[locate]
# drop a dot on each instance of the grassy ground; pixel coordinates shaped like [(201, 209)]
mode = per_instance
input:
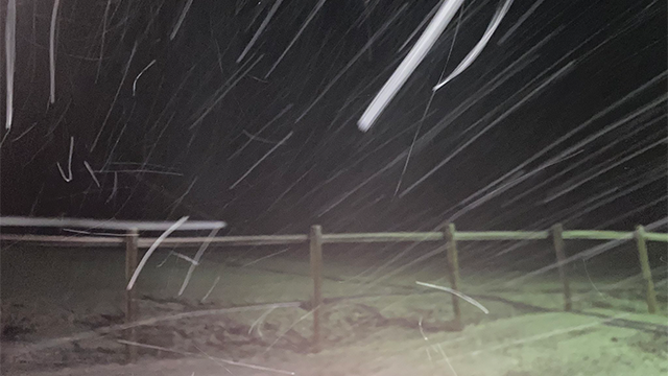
[(375, 322)]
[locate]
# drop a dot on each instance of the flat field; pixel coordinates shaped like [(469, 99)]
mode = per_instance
[(61, 308)]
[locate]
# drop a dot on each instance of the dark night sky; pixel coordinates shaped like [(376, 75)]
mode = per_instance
[(155, 160)]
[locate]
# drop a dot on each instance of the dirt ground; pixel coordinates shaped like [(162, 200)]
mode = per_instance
[(60, 308)]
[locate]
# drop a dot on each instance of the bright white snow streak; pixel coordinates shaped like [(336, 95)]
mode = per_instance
[(52, 52), (475, 52), (408, 65), (419, 51), (10, 56)]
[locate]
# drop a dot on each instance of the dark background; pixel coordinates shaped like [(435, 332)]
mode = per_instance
[(156, 162)]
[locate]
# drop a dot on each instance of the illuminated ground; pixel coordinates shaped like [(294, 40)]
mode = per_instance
[(379, 333)]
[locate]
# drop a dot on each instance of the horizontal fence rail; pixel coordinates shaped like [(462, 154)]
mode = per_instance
[(65, 241), (383, 237), (656, 237), (500, 235), (257, 240), (229, 240), (597, 235)]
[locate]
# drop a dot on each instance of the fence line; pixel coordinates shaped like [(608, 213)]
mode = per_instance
[(317, 239), (389, 237)]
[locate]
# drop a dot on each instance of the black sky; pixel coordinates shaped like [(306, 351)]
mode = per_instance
[(328, 172)]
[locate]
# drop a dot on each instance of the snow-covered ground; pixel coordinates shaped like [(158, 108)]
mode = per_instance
[(371, 326)]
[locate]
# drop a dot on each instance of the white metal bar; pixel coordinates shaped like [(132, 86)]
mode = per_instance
[(107, 224)]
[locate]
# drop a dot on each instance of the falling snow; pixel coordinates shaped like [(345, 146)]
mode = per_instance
[(360, 116)]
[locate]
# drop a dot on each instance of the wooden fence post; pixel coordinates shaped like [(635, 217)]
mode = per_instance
[(131, 257), (646, 270), (453, 275), (558, 242), (315, 237)]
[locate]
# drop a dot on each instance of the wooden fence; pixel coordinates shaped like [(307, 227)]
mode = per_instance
[(316, 239)]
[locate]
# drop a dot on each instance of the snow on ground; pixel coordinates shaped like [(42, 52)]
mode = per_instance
[(389, 328)]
